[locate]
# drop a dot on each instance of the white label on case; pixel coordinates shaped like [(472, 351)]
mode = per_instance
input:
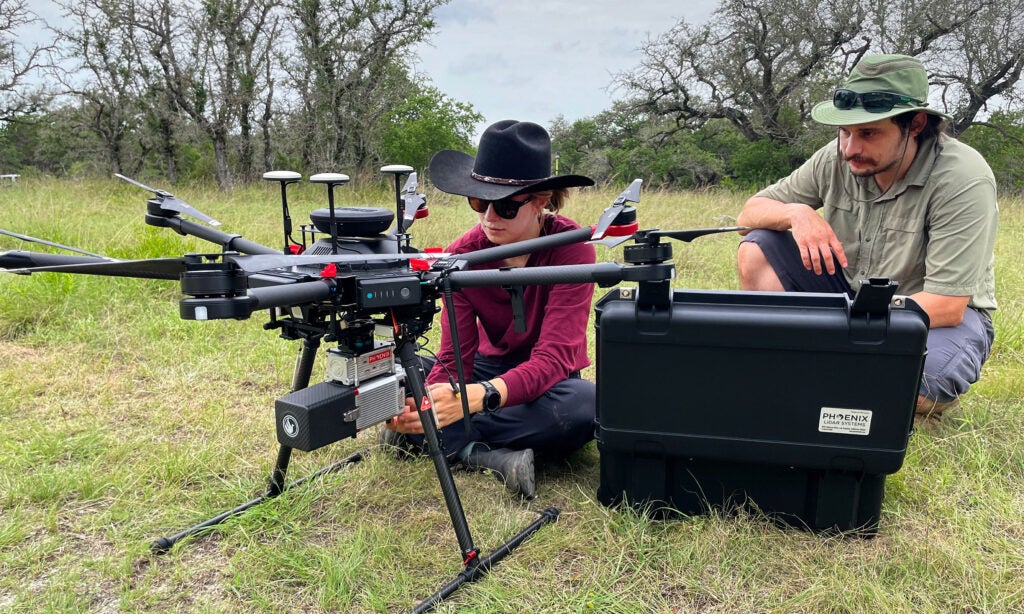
[(846, 421)]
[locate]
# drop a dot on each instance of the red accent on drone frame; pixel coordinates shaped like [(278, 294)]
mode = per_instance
[(623, 230), (423, 264)]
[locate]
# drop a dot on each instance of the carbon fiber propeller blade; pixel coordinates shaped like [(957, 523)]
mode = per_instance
[(690, 235), (630, 194), (29, 239), (153, 268), (170, 202)]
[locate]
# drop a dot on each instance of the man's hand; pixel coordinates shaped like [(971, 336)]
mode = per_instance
[(814, 237), (816, 240)]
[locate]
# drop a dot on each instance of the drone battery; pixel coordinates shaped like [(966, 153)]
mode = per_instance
[(797, 405), (313, 417), (393, 291)]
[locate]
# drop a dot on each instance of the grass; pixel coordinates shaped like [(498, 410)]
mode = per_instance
[(121, 423)]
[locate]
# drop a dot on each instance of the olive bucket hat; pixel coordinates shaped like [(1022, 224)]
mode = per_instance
[(880, 86), (513, 158)]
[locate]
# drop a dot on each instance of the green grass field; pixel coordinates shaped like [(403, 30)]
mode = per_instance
[(121, 423)]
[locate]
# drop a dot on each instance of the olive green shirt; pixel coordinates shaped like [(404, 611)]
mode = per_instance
[(934, 231)]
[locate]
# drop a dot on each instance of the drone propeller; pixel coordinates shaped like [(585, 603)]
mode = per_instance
[(170, 202), (414, 202), (152, 268), (690, 235), (630, 194), (49, 243), (613, 242)]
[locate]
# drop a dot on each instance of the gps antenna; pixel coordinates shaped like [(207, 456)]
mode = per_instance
[(331, 179), (398, 170), (284, 178)]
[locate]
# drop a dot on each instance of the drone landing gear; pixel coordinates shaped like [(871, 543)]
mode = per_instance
[(276, 483), (474, 565)]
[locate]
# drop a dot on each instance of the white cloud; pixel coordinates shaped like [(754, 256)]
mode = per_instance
[(537, 59)]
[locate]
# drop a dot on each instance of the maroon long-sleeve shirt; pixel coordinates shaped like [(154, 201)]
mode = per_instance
[(555, 341)]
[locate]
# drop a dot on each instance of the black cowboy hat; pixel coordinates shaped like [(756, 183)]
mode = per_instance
[(513, 158)]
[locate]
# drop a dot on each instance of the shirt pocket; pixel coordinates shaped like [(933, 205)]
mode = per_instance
[(844, 218), (902, 249)]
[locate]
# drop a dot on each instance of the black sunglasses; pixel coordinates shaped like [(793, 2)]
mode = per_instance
[(506, 208), (873, 102)]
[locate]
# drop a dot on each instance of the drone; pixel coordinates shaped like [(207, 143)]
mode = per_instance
[(353, 280)]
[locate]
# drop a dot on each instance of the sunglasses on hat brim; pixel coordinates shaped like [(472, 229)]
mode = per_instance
[(506, 208), (872, 102)]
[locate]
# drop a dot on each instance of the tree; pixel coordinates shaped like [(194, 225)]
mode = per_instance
[(755, 63), (19, 63), (105, 73), (351, 73), (973, 48), (761, 64), (424, 122), (210, 58)]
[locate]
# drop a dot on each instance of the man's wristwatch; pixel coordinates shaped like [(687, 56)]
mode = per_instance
[(492, 398)]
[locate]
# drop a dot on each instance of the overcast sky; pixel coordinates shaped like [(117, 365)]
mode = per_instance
[(537, 59)]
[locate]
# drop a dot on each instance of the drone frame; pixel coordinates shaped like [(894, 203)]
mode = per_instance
[(244, 278)]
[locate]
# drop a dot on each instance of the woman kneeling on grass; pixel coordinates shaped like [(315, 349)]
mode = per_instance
[(527, 395)]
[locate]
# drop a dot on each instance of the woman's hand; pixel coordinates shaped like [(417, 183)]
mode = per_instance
[(447, 410)]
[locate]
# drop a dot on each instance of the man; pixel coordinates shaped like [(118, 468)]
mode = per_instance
[(899, 199)]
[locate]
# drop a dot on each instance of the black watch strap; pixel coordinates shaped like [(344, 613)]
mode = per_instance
[(492, 398)]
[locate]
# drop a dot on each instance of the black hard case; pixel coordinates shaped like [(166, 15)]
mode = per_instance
[(718, 400)]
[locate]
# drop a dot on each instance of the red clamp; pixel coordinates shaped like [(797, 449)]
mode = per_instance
[(330, 271), (295, 249)]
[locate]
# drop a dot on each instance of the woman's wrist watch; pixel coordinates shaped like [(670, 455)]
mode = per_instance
[(492, 398)]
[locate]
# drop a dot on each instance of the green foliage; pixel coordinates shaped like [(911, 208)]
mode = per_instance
[(620, 145), (1001, 141), (755, 164), (424, 122)]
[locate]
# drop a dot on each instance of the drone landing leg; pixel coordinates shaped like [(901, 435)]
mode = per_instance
[(276, 484), (475, 566)]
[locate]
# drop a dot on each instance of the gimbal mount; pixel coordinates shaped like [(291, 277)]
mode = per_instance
[(353, 300)]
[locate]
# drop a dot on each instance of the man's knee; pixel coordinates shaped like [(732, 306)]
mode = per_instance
[(756, 273)]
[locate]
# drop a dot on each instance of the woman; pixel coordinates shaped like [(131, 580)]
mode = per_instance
[(525, 394)]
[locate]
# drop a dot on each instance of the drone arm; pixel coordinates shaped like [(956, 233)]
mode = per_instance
[(519, 248), (603, 273), (255, 299), (227, 241), (270, 297)]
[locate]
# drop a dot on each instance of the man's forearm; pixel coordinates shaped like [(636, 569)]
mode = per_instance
[(763, 212), (942, 310)]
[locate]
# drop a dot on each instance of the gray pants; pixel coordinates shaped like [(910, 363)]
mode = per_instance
[(955, 353)]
